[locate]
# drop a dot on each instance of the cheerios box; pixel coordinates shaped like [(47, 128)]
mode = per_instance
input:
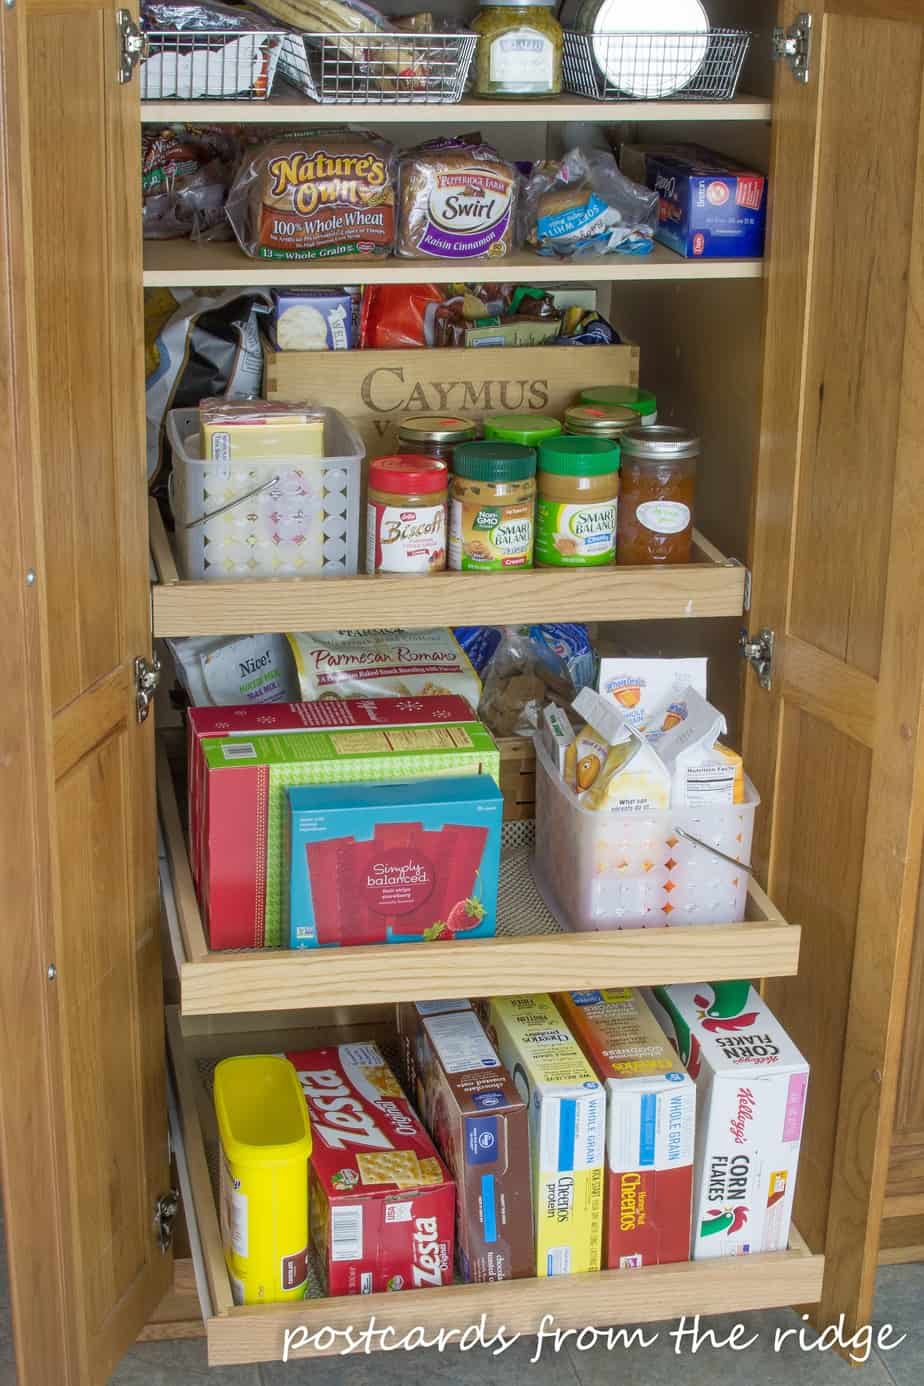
[(381, 1202), (651, 1115), (567, 1114), (751, 1084), (243, 877)]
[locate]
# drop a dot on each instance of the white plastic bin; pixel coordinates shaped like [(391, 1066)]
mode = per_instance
[(284, 518), (635, 871)]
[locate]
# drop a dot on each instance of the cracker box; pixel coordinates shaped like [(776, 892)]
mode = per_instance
[(409, 1016), (567, 1115), (480, 1124), (710, 206), (651, 1112), (393, 863), (313, 320), (247, 720), (243, 877), (381, 1201), (751, 1083)]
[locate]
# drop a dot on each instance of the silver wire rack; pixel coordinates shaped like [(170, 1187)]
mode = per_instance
[(230, 64), (379, 68), (650, 67)]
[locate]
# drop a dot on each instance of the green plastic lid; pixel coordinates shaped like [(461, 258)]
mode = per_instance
[(628, 396), (574, 456), (529, 429), (488, 460)]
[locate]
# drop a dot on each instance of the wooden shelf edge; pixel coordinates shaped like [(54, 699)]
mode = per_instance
[(288, 106)]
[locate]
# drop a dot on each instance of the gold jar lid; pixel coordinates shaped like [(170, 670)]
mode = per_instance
[(599, 420), (438, 428)]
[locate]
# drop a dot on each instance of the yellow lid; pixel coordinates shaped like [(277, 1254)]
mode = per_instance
[(262, 1114)]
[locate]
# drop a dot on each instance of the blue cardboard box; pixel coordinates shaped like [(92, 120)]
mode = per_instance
[(393, 863), (710, 207)]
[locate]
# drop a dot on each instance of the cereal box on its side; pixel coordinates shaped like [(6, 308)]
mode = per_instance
[(567, 1117), (381, 1201), (751, 1084), (651, 1110), (243, 875)]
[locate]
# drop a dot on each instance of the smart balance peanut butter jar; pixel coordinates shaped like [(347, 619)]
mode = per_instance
[(492, 507), (576, 508)]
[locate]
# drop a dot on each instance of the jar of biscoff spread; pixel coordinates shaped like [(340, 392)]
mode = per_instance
[(435, 435), (599, 420), (655, 523), (492, 507), (576, 509), (642, 402), (406, 505)]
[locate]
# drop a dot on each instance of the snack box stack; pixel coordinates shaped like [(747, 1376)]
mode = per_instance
[(751, 1083), (408, 1017), (651, 1113), (480, 1124), (381, 1201), (393, 863), (239, 783), (567, 1119)]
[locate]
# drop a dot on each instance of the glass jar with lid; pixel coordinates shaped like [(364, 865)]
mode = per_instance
[(655, 519), (519, 49), (599, 420), (492, 507), (435, 435), (642, 402)]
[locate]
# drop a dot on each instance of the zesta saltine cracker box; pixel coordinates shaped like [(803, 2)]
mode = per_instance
[(381, 1202), (751, 1082), (567, 1115)]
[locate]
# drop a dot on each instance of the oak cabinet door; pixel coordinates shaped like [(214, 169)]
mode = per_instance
[(836, 745), (82, 1085)]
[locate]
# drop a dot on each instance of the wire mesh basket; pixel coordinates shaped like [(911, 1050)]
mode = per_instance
[(648, 67), (230, 64), (379, 68)]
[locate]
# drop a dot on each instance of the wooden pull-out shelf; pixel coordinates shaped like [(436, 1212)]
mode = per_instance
[(713, 585), (542, 958), (256, 1334)]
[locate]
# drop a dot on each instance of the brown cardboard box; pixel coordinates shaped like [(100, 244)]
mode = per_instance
[(409, 1016), (480, 1125)]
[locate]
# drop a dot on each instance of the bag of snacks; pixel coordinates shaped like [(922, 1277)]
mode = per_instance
[(522, 675), (583, 205), (236, 669), (382, 663)]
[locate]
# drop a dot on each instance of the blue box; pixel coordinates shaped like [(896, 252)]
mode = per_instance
[(710, 207), (393, 863)]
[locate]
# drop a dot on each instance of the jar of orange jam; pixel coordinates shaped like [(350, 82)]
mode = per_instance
[(658, 479)]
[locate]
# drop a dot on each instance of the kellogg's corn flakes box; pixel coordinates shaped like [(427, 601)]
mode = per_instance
[(382, 1204), (751, 1083), (567, 1114)]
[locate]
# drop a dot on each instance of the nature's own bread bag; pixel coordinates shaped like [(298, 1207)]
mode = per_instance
[(458, 201), (316, 195)]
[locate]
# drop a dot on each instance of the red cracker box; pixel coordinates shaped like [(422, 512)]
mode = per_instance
[(259, 719), (381, 1202), (651, 1112)]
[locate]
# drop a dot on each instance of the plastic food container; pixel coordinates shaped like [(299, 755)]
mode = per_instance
[(287, 517), (406, 514), (265, 1144), (492, 507), (576, 508), (636, 871)]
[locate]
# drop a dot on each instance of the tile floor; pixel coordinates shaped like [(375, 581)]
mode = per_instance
[(899, 1302)]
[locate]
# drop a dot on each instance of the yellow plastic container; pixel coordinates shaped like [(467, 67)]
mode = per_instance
[(265, 1144)]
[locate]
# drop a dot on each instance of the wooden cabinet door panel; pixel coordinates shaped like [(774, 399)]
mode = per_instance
[(86, 996), (836, 745)]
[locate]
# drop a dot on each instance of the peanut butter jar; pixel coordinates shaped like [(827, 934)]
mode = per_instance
[(576, 509), (492, 507)]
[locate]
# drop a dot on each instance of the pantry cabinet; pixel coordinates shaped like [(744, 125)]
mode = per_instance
[(808, 384)]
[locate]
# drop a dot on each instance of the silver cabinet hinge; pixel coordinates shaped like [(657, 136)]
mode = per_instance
[(147, 677), (133, 46), (166, 1208), (795, 46), (759, 654)]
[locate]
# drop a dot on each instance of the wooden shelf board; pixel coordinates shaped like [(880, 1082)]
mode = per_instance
[(236, 1334), (290, 107), (264, 981), (712, 586), (186, 264)]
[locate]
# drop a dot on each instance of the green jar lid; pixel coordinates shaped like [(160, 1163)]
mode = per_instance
[(574, 456), (488, 460), (529, 429), (628, 396)]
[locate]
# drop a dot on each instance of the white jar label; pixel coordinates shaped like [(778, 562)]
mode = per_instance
[(523, 58), (405, 539), (663, 516)]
